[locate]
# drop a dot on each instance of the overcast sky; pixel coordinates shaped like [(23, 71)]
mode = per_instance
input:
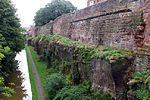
[(26, 9)]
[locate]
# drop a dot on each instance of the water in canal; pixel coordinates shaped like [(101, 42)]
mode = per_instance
[(21, 79)]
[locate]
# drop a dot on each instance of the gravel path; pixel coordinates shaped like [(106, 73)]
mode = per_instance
[(36, 77)]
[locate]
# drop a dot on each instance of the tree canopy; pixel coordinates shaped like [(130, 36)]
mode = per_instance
[(52, 10), (11, 42)]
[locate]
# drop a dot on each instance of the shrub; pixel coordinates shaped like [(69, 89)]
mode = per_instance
[(142, 93), (54, 83), (100, 95), (74, 93), (140, 85), (81, 92)]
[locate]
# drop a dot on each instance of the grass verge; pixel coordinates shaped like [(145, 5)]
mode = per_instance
[(33, 85), (41, 68)]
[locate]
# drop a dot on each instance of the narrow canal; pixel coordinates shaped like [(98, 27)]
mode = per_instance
[(21, 79)]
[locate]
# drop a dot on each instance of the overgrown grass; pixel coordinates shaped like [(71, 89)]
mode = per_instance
[(41, 68), (33, 84)]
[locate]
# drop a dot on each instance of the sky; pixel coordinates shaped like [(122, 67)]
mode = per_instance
[(26, 9)]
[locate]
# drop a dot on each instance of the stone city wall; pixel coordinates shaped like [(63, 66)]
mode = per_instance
[(117, 23), (110, 23)]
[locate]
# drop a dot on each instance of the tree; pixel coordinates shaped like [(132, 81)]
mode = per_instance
[(10, 34), (10, 26), (11, 42), (52, 10)]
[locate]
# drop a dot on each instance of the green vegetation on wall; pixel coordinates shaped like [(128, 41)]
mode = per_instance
[(87, 52), (63, 57)]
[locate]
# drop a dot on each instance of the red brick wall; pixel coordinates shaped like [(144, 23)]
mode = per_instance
[(110, 23), (146, 15)]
